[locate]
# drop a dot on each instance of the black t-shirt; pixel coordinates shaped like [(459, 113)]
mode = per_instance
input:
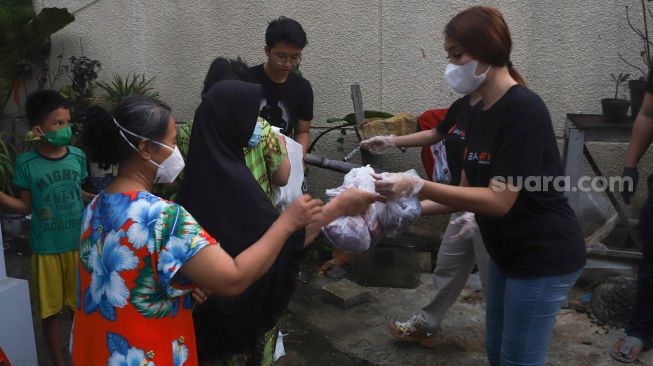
[(283, 104), (514, 139), (453, 128)]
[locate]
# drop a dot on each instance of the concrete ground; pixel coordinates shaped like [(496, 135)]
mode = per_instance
[(319, 333), (359, 336)]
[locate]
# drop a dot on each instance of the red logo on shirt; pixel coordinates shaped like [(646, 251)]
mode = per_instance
[(481, 157)]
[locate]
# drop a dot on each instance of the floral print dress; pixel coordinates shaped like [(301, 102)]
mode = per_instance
[(132, 309)]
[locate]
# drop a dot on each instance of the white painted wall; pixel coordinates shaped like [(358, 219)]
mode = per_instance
[(565, 50)]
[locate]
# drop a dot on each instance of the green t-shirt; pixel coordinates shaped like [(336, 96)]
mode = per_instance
[(56, 193)]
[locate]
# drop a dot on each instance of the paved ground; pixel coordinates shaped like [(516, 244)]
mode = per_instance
[(361, 334), (322, 334)]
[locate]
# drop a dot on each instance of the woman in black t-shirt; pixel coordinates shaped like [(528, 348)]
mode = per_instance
[(512, 167)]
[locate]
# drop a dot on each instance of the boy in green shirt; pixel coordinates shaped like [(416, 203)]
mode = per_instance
[(49, 179)]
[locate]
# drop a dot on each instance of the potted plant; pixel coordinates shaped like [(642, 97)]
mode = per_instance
[(615, 109), (637, 86), (23, 33)]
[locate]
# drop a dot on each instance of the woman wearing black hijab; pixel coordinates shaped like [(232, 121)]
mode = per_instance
[(221, 193)]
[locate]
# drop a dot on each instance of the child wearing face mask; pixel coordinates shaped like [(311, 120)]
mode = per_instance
[(49, 181)]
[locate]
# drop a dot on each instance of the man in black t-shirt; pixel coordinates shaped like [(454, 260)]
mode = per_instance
[(639, 332), (287, 97)]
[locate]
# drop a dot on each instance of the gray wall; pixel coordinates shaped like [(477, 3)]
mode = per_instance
[(565, 50)]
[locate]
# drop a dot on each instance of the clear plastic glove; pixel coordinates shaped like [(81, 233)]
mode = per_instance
[(379, 144), (397, 185), (467, 224)]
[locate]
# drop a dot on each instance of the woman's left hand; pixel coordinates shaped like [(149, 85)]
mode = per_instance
[(200, 295)]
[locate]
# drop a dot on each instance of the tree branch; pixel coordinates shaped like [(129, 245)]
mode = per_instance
[(631, 65)]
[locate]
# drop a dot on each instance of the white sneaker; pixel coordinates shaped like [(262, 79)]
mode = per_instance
[(409, 331)]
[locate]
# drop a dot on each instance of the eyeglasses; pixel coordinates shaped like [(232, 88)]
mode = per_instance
[(282, 59)]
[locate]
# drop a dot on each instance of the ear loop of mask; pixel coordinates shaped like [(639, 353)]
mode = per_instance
[(139, 136)]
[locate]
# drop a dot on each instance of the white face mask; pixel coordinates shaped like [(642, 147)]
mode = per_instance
[(463, 78), (170, 168)]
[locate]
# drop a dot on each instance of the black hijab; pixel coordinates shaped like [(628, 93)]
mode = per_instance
[(223, 196)]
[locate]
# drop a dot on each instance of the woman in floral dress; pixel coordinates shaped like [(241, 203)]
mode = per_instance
[(141, 256)]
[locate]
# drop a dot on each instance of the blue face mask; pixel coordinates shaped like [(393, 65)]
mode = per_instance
[(256, 135)]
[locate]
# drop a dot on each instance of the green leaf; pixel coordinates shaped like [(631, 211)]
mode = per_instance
[(23, 33), (147, 296), (175, 222), (119, 89), (85, 253)]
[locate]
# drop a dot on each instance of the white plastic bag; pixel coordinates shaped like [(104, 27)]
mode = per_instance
[(599, 217), (284, 196), (362, 232), (466, 223), (352, 233), (349, 233), (399, 214)]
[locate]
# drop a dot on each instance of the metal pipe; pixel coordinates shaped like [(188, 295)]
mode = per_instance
[(330, 164)]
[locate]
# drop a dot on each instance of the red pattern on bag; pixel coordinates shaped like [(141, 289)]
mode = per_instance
[(427, 121)]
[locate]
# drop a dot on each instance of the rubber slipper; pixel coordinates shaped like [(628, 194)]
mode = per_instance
[(624, 351)]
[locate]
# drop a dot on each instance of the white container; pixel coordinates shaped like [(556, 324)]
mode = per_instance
[(12, 224)]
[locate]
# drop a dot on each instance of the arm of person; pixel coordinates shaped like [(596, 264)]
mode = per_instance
[(495, 200), (21, 205), (302, 134), (642, 133), (351, 202), (422, 138), (379, 144), (280, 176), (214, 270), (87, 196), (430, 208)]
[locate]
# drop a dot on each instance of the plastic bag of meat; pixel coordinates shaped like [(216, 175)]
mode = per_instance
[(355, 233), (399, 214), (349, 233), (359, 233)]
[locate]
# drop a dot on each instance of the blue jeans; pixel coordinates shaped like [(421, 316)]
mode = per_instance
[(641, 322), (520, 315)]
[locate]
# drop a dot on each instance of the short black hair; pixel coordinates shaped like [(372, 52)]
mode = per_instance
[(225, 69), (41, 103), (285, 30)]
